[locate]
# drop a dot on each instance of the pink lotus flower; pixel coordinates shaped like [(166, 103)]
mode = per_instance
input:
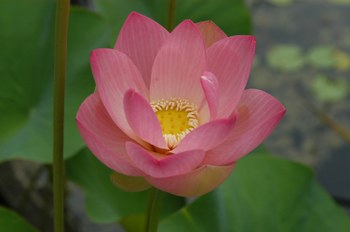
[(170, 109)]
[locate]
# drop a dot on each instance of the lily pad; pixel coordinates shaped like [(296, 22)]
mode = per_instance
[(264, 193), (328, 89), (286, 57), (321, 57)]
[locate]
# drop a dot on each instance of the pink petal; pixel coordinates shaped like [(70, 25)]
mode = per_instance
[(207, 136), (195, 183), (142, 119), (172, 165), (210, 87), (230, 60), (114, 74), (210, 32), (103, 137), (129, 183), (179, 65), (140, 39), (258, 115)]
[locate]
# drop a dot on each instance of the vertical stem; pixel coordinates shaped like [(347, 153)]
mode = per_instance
[(171, 14), (153, 210), (61, 32)]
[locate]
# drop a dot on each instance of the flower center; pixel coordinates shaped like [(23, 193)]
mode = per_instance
[(177, 118)]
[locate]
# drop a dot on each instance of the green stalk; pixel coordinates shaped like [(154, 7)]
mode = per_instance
[(154, 204), (171, 14), (61, 32)]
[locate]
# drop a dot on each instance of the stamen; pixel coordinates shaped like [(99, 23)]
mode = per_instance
[(177, 118)]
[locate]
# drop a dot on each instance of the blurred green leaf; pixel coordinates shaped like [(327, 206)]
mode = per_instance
[(264, 193), (232, 16), (26, 67), (321, 57), (12, 222), (286, 57), (328, 89), (104, 201)]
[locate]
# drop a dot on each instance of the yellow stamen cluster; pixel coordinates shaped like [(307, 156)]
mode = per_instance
[(177, 118)]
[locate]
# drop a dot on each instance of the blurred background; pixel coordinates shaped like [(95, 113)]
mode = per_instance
[(302, 58)]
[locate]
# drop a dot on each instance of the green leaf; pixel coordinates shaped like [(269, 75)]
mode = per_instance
[(104, 201), (12, 222), (26, 67), (286, 57), (232, 16), (264, 193)]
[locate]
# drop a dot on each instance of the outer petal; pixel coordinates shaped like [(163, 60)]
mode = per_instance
[(172, 165), (230, 60), (142, 119), (103, 137), (258, 115), (210, 32), (179, 65), (207, 136), (114, 74), (195, 183), (210, 87), (140, 38)]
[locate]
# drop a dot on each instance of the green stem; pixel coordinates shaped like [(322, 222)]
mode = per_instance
[(153, 210), (61, 34), (171, 14)]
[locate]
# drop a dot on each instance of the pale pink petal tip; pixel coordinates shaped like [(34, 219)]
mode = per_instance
[(210, 87), (171, 165), (142, 119), (141, 51)]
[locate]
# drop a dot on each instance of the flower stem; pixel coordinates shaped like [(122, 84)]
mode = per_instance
[(171, 14), (61, 32), (154, 203)]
